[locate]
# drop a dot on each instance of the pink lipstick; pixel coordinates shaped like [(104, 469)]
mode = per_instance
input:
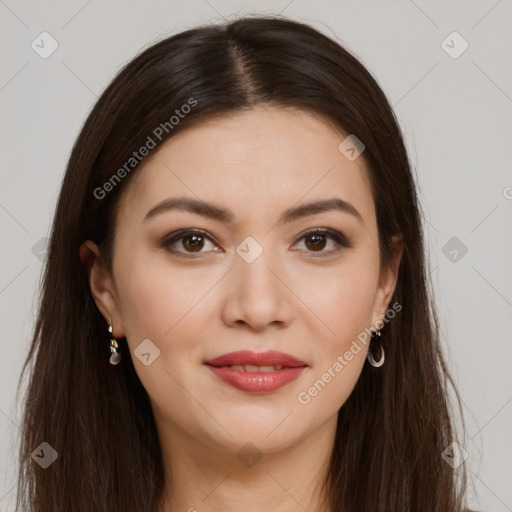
[(256, 372)]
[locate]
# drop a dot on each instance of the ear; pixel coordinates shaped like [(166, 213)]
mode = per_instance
[(387, 281), (102, 287)]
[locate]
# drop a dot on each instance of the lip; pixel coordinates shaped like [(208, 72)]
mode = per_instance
[(268, 358), (256, 382)]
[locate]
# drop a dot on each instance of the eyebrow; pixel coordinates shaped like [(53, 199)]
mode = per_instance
[(220, 214)]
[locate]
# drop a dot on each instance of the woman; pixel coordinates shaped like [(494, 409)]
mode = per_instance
[(235, 309)]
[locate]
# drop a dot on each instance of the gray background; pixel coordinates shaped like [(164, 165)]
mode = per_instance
[(455, 114)]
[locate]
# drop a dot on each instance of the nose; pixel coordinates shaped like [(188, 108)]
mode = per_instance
[(258, 294)]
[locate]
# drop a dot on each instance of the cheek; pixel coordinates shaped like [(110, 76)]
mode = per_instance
[(343, 301), (166, 306), (344, 304), (157, 301)]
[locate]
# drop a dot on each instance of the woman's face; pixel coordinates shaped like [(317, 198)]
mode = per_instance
[(247, 279)]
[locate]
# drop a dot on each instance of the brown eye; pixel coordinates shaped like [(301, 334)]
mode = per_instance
[(187, 242), (316, 241), (190, 242), (193, 243)]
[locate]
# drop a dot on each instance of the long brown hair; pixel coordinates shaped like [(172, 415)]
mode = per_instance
[(396, 423)]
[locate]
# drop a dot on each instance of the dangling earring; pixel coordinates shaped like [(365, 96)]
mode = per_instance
[(370, 357), (115, 356)]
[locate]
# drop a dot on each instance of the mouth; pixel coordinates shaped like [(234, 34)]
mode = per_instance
[(252, 368), (256, 372)]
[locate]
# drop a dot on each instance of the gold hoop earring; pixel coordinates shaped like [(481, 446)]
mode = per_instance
[(115, 356), (375, 363)]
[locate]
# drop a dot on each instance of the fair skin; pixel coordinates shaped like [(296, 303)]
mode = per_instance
[(255, 164)]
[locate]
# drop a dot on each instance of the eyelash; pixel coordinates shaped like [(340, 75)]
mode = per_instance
[(340, 240)]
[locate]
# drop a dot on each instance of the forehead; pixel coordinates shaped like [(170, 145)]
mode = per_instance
[(254, 162)]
